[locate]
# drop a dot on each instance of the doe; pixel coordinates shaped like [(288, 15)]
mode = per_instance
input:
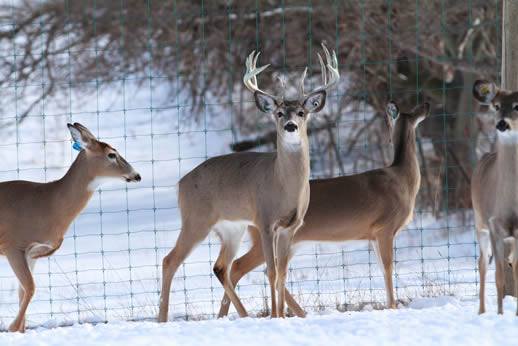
[(494, 191), (35, 216)]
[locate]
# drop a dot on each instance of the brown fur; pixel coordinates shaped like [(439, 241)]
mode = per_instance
[(269, 191), (374, 205), (494, 192), (35, 216)]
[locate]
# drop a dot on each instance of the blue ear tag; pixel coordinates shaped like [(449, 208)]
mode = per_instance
[(77, 146)]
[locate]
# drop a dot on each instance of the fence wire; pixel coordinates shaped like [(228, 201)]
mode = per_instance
[(109, 265)]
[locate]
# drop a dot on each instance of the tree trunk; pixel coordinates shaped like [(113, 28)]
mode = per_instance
[(509, 82)]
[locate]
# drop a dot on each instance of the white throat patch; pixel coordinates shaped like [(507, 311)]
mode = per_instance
[(509, 137), (291, 140), (94, 184)]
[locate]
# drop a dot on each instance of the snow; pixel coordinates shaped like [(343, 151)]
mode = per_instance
[(432, 321)]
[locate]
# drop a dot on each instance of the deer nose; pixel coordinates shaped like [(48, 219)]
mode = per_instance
[(502, 126), (137, 177), (290, 127)]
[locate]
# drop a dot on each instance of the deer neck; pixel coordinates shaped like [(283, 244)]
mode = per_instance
[(72, 189), (405, 154), (292, 162), (507, 166)]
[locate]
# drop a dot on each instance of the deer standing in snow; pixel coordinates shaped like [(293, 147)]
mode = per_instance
[(494, 191), (267, 190), (374, 205), (35, 216)]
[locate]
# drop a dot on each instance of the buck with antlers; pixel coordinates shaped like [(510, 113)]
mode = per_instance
[(35, 216), (494, 190), (267, 190), (374, 205)]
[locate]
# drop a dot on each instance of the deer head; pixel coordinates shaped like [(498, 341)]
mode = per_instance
[(504, 103), (395, 119), (291, 116), (103, 160)]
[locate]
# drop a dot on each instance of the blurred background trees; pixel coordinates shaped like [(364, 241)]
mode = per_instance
[(408, 51)]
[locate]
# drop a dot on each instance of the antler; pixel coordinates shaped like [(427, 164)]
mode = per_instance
[(330, 66), (250, 77)]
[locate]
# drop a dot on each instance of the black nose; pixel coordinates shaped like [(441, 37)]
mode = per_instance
[(138, 178), (502, 126), (290, 127)]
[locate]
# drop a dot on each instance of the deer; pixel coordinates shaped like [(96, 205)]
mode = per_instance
[(34, 217), (269, 191), (496, 174), (374, 206)]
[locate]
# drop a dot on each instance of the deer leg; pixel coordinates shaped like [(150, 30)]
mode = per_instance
[(282, 245), (31, 262), (497, 242), (385, 252), (190, 236), (484, 242), (243, 265), (291, 302), (515, 267), (268, 254), (22, 271), (229, 247)]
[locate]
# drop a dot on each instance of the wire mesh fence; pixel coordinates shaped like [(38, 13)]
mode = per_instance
[(109, 265)]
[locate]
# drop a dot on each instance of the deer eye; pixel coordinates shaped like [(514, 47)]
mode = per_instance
[(300, 113), (280, 114), (112, 155)]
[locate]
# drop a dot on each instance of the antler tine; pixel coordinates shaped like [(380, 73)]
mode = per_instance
[(301, 83), (250, 77), (330, 66), (323, 70)]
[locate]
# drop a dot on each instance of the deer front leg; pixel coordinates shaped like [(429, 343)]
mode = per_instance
[(282, 245), (268, 253), (385, 251), (515, 267), (21, 268), (484, 242), (497, 229)]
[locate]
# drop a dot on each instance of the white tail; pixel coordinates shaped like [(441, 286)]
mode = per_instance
[(496, 174), (374, 205), (267, 190), (35, 216)]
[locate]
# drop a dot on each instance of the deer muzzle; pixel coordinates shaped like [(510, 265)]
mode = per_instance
[(503, 126)]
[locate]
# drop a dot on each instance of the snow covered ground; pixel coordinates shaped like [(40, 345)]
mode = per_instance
[(432, 321)]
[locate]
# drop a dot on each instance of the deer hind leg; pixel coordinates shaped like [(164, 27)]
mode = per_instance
[(193, 232), (243, 265), (484, 242), (22, 270), (385, 250), (498, 247), (230, 236)]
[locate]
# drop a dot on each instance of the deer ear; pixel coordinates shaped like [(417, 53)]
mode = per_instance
[(392, 110), (315, 101), (264, 102), (81, 135), (422, 110), (484, 91)]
